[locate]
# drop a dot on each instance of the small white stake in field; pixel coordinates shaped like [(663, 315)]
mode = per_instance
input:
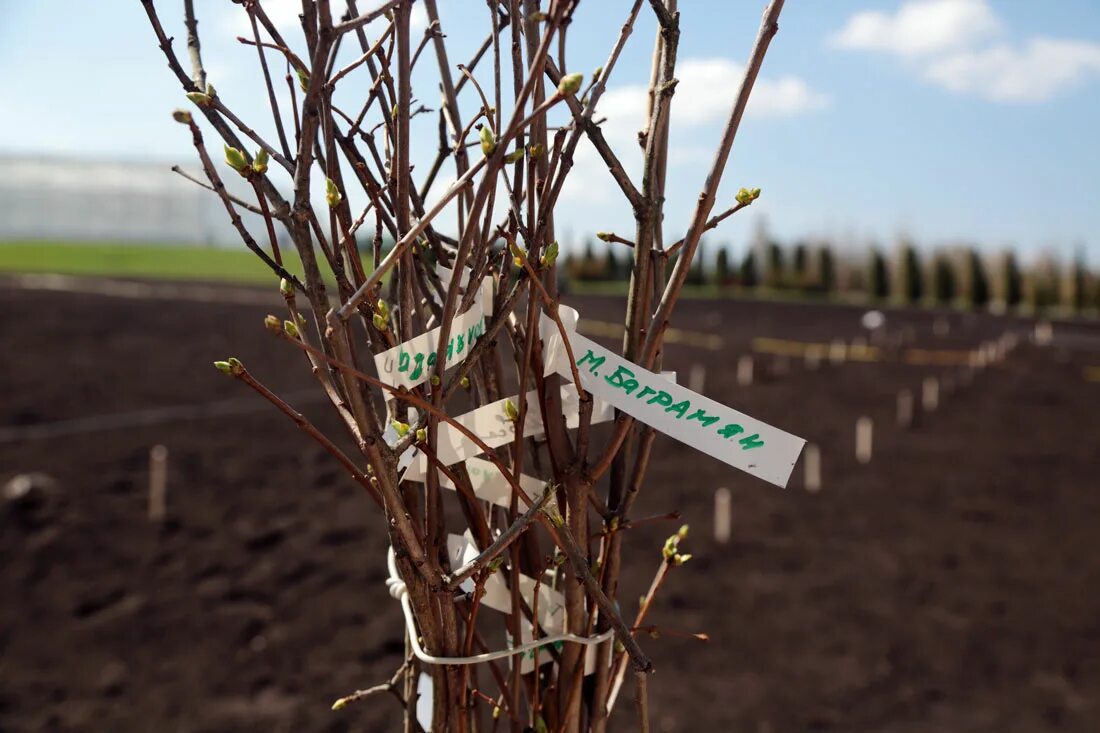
[(905, 408), (744, 371), (930, 394), (811, 465), (722, 518), (158, 483), (864, 439), (697, 378)]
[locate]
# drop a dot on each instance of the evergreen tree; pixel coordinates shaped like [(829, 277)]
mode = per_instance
[(749, 277), (943, 280), (773, 273), (826, 270), (910, 279), (977, 286), (799, 263), (611, 269), (722, 267), (1011, 281), (878, 280)]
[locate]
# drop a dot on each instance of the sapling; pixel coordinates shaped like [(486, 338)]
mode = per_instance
[(452, 292)]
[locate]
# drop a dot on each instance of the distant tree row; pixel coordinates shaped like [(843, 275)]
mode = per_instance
[(960, 276)]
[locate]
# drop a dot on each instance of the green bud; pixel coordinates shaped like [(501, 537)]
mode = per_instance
[(210, 91), (510, 410), (465, 382), (291, 329), (340, 704), (259, 163), (603, 236), (286, 288), (537, 17), (422, 435), (303, 79), (495, 563), (534, 150), (681, 559), (401, 428), (597, 73), (570, 83), (488, 140), (232, 365), (235, 159), (182, 116), (272, 324), (434, 380), (550, 255), (380, 322), (332, 193), (383, 308), (746, 196), (514, 156), (683, 532), (200, 99)]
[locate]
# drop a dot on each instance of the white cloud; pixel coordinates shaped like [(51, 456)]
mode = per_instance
[(950, 43), (705, 93), (1032, 73), (920, 27)]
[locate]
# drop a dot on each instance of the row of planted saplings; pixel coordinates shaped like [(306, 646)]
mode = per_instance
[(933, 389)]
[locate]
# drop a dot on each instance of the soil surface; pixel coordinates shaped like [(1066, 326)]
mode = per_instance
[(951, 584)]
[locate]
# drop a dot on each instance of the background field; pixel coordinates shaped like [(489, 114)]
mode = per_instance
[(948, 585)]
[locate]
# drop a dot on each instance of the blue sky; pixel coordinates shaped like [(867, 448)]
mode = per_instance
[(945, 120)]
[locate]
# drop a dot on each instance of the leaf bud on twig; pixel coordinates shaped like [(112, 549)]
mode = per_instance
[(272, 324), (259, 163), (332, 193), (235, 159), (488, 140), (550, 256), (182, 116), (570, 84), (746, 196)]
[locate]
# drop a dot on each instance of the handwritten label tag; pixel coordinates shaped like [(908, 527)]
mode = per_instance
[(730, 436), (491, 424), (412, 362), (490, 485)]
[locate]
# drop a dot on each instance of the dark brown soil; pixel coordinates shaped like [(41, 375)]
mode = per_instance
[(952, 585)]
